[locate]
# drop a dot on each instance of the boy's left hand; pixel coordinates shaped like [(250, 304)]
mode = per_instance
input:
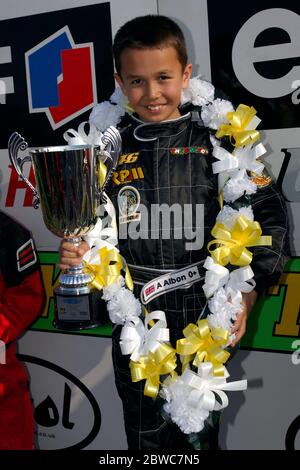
[(239, 326)]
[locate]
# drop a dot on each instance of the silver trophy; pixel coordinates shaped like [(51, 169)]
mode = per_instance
[(68, 189)]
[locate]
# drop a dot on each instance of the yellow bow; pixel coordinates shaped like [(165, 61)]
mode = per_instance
[(109, 269), (238, 129), (102, 170), (232, 242), (128, 108), (111, 262), (202, 344), (152, 366)]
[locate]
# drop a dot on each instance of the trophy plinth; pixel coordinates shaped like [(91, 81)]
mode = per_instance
[(78, 305), (68, 189), (78, 308)]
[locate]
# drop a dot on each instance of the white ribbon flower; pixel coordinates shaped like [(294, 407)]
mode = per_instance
[(224, 307), (109, 113), (233, 167), (206, 387), (199, 92), (244, 158), (122, 305), (132, 338), (216, 276), (226, 304), (215, 113), (193, 396), (80, 137), (228, 215), (119, 98), (227, 161), (105, 232), (106, 114), (248, 158), (139, 339), (241, 279), (237, 185)]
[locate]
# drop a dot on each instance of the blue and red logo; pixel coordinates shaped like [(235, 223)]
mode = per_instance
[(61, 78)]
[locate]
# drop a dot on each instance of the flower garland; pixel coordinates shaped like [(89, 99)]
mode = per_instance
[(190, 398)]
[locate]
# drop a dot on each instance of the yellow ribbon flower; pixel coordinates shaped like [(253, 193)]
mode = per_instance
[(109, 269), (241, 128), (202, 344), (102, 170), (232, 243), (111, 262), (152, 366)]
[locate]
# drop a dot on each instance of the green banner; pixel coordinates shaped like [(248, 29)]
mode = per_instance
[(273, 324)]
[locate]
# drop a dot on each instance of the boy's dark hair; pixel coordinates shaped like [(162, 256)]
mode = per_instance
[(150, 31)]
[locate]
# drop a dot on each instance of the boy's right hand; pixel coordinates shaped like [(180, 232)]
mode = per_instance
[(70, 254)]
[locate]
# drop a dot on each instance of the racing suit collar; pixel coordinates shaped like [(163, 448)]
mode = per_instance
[(150, 131)]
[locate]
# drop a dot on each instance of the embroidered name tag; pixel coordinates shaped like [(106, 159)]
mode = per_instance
[(168, 282), (187, 150)]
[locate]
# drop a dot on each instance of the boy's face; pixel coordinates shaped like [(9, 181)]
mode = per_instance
[(152, 79)]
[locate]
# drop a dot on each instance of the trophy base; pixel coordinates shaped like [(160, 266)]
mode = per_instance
[(79, 311)]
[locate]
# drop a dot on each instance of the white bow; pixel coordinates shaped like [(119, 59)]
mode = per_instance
[(216, 276), (105, 232), (247, 158), (80, 137), (205, 387), (138, 339), (241, 158), (241, 279)]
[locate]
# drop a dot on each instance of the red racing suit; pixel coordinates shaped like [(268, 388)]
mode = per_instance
[(21, 299)]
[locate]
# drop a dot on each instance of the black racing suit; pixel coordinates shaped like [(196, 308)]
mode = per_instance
[(156, 165)]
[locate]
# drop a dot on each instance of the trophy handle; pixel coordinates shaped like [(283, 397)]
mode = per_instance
[(112, 139), (17, 142)]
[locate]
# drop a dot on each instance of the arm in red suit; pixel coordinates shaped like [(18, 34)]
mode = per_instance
[(19, 306), (21, 288), (21, 299)]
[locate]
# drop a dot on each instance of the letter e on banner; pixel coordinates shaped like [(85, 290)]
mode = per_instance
[(245, 55)]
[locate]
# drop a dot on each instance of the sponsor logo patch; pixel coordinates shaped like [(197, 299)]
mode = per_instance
[(261, 180), (126, 176), (26, 255), (128, 203), (188, 150), (128, 158)]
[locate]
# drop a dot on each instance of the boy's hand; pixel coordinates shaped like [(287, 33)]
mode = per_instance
[(239, 326), (70, 254)]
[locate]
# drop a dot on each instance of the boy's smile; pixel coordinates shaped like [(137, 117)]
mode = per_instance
[(152, 79)]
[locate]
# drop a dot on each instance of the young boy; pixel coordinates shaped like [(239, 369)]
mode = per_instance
[(166, 162), (21, 300)]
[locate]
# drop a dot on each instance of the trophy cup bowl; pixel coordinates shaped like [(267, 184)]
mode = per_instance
[(68, 189)]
